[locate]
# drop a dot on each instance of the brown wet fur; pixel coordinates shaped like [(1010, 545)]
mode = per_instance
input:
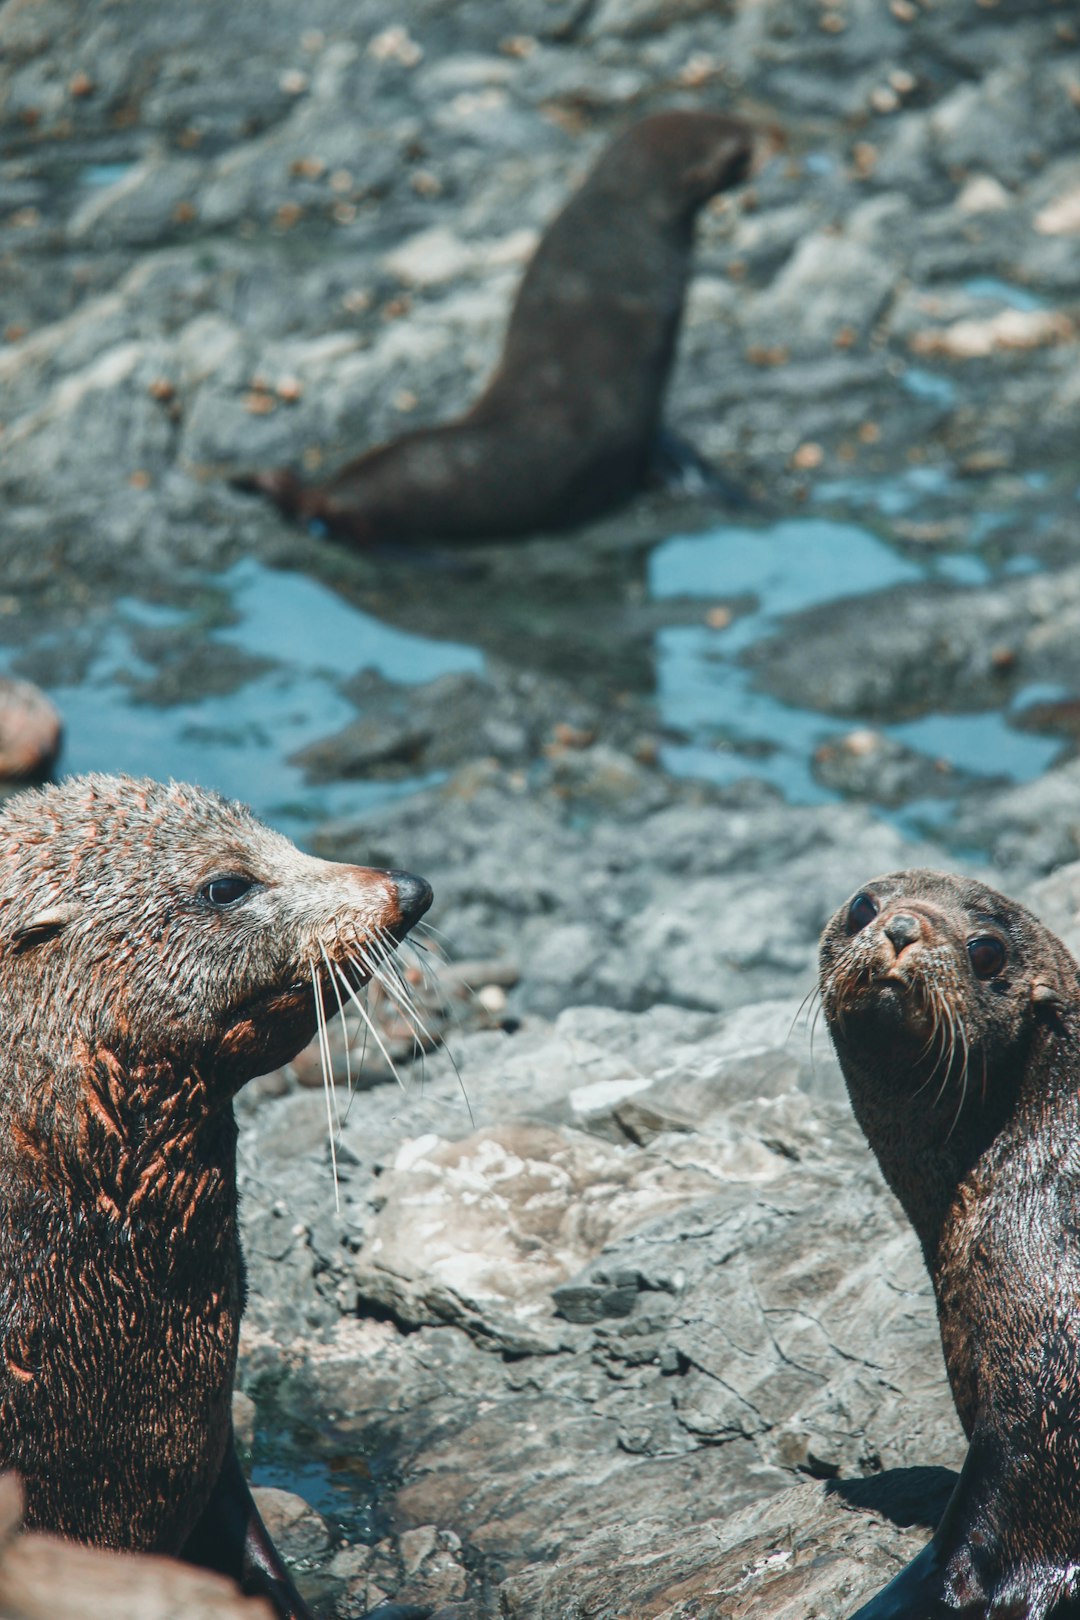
[(968, 1090), (132, 1010), (566, 426)]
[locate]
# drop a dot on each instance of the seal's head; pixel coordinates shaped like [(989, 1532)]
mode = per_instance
[(938, 968), (939, 993), (164, 926), (672, 162)]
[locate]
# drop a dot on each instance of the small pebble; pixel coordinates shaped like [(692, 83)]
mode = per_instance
[(883, 99), (492, 997), (81, 84), (808, 455), (308, 168), (395, 44), (864, 156), (293, 82)]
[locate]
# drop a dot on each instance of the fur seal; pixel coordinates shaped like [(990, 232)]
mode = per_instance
[(956, 1018), (159, 947), (567, 425)]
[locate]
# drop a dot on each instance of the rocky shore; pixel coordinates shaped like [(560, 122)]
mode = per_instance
[(616, 1316)]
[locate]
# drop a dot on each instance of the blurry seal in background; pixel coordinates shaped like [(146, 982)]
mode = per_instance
[(30, 732), (159, 947), (956, 1018), (568, 425)]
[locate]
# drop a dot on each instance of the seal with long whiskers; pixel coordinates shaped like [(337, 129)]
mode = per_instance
[(928, 980), (159, 947)]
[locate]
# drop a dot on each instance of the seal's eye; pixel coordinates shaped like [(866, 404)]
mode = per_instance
[(987, 956), (863, 909), (222, 891)]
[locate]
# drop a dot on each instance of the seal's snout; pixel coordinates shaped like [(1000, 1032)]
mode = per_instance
[(413, 896), (902, 929)]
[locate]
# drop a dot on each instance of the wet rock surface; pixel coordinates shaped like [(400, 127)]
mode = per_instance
[(621, 1318)]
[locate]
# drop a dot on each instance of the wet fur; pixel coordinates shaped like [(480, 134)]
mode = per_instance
[(976, 1126), (567, 425), (132, 1011)]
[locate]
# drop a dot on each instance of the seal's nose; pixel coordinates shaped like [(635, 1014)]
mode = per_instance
[(413, 898), (902, 929)]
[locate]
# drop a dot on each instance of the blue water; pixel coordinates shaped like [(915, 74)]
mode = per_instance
[(928, 385), (311, 641), (1002, 292), (239, 742), (892, 497), (99, 175), (733, 728)]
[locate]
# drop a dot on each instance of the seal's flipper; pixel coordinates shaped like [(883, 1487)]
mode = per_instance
[(280, 484), (914, 1594), (679, 467), (231, 1538), (981, 1564)]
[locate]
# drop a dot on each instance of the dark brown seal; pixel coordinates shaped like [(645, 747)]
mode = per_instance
[(158, 948), (956, 1017), (566, 427)]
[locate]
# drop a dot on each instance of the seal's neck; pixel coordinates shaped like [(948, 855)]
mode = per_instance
[(932, 1145), (138, 1144)]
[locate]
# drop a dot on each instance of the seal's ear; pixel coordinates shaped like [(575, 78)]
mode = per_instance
[(45, 925)]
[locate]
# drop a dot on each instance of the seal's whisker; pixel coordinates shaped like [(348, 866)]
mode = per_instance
[(800, 1009), (937, 1037), (963, 1081), (952, 1054), (324, 1055), (366, 1016), (397, 993), (390, 946), (344, 1027)]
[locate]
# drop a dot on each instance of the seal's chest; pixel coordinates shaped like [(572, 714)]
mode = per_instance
[(122, 1359)]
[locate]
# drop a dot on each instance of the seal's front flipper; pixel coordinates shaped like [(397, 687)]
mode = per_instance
[(914, 1594), (1001, 1552), (278, 484), (676, 465), (231, 1538)]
